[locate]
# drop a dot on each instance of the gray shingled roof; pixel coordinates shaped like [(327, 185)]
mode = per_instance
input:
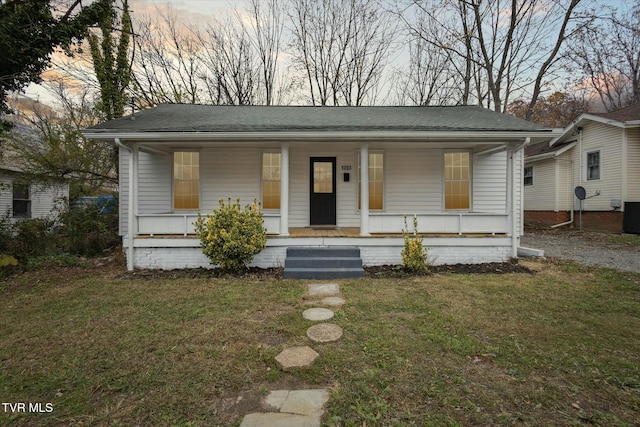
[(210, 118)]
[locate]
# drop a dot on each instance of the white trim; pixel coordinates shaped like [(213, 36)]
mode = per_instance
[(444, 192), (553, 154), (173, 190), (586, 165), (491, 137), (364, 190), (284, 189), (524, 176)]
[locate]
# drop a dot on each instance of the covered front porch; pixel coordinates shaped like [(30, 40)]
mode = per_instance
[(492, 221)]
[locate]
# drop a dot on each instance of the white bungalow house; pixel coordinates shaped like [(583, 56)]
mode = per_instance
[(599, 152), (325, 177)]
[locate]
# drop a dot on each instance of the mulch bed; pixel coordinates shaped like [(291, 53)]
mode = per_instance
[(380, 272)]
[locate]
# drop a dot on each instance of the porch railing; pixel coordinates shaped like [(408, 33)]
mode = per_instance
[(441, 222), (182, 224), (432, 223)]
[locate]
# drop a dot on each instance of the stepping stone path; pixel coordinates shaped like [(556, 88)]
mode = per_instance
[(302, 408)]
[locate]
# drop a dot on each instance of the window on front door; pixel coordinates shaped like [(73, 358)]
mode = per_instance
[(376, 181), (21, 201), (457, 180), (186, 180), (271, 180)]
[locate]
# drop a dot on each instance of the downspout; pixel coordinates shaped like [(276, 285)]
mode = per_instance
[(130, 213)]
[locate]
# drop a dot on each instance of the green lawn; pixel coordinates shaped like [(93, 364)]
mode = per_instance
[(558, 347)]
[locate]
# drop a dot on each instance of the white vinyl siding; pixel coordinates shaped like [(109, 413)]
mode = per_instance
[(413, 181), (489, 183), (541, 195), (607, 139), (229, 173), (564, 182), (44, 198)]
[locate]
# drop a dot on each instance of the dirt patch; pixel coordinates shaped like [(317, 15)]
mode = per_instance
[(395, 271)]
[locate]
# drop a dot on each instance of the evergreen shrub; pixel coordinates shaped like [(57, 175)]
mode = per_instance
[(232, 235)]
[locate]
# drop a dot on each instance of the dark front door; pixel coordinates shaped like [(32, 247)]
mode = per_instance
[(323, 191)]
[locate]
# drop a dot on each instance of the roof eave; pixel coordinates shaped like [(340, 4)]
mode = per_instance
[(549, 155), (407, 136)]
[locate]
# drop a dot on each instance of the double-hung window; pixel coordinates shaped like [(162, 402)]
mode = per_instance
[(528, 175), (271, 169), (186, 180), (376, 181), (593, 165), (21, 201), (457, 180)]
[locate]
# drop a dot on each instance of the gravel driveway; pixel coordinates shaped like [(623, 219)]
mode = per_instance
[(586, 248)]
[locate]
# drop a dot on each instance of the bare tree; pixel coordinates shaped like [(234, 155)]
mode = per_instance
[(52, 147), (608, 56), (267, 20), (232, 72), (166, 64), (341, 46), (502, 48)]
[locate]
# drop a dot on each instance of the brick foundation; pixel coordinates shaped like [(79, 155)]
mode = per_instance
[(609, 221)]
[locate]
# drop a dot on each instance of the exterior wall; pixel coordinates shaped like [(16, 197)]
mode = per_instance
[(552, 188), (6, 195), (633, 165), (44, 198), (490, 182), (608, 139), (186, 253), (541, 196), (545, 218), (564, 175)]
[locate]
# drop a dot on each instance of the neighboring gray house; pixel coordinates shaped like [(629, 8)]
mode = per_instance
[(601, 153), (325, 177)]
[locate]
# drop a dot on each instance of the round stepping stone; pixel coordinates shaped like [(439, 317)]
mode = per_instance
[(324, 332), (317, 314), (333, 301), (296, 357)]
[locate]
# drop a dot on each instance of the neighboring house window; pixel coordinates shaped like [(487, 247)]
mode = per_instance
[(528, 175), (186, 180), (593, 165), (271, 180), (376, 181), (21, 201), (457, 182)]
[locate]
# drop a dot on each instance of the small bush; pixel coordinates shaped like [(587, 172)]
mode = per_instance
[(415, 257), (232, 236), (33, 238), (89, 230)]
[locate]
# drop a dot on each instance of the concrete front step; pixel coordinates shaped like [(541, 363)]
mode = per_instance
[(323, 273), (331, 262)]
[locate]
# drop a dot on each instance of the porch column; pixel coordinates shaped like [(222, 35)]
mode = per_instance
[(284, 190), (510, 197), (364, 190), (133, 203)]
